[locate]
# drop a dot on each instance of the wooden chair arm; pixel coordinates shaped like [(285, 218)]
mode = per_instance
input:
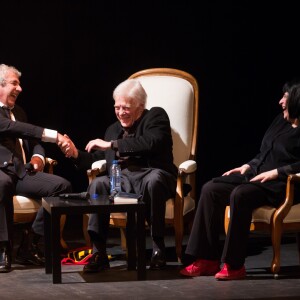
[(285, 207), (92, 173), (186, 170), (181, 191), (98, 167), (49, 165)]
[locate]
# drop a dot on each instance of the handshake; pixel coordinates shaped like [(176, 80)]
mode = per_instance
[(67, 146)]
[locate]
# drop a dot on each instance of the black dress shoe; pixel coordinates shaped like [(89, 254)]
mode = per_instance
[(32, 256), (158, 260), (29, 253), (5, 260), (97, 263)]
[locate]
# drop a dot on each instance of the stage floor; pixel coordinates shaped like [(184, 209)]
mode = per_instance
[(29, 282)]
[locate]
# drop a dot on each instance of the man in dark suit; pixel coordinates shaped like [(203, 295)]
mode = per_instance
[(141, 141), (19, 148)]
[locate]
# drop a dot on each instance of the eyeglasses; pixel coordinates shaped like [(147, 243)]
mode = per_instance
[(125, 108)]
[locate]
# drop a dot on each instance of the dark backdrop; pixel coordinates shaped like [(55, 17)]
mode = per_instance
[(73, 53)]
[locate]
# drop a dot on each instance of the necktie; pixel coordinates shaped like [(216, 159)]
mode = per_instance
[(20, 153)]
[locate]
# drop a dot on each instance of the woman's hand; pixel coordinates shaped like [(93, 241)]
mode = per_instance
[(266, 176), (241, 170)]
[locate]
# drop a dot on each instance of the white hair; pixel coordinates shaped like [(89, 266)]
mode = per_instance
[(3, 71), (131, 88)]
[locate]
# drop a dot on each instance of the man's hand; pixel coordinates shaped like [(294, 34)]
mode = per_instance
[(67, 146), (61, 139), (38, 165), (266, 176), (242, 170), (97, 144)]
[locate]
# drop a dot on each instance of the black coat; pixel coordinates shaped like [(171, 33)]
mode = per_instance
[(10, 131), (151, 144), (280, 149)]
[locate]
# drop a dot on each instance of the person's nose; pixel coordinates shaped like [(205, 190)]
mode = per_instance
[(281, 101), (122, 110)]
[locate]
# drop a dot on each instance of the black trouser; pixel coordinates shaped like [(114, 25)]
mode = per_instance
[(156, 186), (215, 196), (37, 186)]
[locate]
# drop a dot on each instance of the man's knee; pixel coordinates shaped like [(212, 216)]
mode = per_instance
[(208, 187), (100, 185), (7, 189)]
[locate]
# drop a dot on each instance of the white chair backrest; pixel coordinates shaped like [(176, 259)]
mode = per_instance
[(176, 96)]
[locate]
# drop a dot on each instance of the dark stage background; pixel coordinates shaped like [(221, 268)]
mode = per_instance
[(73, 53)]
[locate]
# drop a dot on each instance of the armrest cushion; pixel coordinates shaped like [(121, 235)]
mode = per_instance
[(188, 166), (99, 164)]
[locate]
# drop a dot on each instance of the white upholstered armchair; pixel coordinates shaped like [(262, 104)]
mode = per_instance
[(177, 92)]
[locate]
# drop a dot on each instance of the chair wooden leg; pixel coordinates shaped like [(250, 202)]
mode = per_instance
[(178, 240), (85, 221), (123, 239), (62, 226), (276, 241), (298, 244)]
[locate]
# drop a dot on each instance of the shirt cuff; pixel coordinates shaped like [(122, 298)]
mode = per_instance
[(49, 135), (114, 145)]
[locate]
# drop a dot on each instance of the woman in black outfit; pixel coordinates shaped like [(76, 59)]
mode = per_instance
[(261, 181)]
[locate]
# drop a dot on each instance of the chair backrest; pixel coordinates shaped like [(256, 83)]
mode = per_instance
[(177, 92)]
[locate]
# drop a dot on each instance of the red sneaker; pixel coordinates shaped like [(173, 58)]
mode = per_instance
[(201, 267), (228, 274)]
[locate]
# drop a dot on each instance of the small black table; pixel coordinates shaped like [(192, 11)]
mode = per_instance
[(54, 207)]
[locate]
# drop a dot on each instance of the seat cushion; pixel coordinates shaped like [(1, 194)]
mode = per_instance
[(25, 209), (263, 214), (26, 205), (189, 205), (293, 215)]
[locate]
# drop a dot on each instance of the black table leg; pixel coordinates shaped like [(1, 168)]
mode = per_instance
[(56, 262), (131, 241), (141, 244), (48, 242)]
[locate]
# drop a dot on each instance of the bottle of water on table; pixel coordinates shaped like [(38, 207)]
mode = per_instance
[(115, 178)]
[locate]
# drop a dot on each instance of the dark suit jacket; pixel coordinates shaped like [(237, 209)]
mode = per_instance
[(9, 131), (151, 145)]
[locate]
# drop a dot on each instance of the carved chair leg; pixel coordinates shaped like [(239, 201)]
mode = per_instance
[(62, 226), (85, 220), (123, 238), (276, 242), (298, 243), (178, 240)]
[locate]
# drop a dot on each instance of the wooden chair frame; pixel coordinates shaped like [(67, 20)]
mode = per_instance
[(278, 223), (183, 173)]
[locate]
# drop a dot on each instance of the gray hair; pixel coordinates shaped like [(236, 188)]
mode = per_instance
[(131, 88), (3, 71)]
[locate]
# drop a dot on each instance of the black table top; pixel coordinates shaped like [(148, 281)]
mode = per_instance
[(89, 205)]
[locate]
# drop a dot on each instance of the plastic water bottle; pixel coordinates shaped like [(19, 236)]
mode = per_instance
[(115, 177)]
